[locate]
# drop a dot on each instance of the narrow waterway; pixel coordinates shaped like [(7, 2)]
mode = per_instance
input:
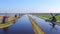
[(21, 26), (46, 27)]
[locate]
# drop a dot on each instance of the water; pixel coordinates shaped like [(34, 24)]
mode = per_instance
[(22, 26), (46, 27)]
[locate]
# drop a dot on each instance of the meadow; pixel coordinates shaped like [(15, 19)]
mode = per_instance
[(46, 15)]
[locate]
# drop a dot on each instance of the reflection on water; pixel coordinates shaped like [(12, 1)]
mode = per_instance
[(48, 29), (5, 30), (21, 26)]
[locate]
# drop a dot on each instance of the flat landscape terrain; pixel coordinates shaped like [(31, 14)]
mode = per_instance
[(46, 15)]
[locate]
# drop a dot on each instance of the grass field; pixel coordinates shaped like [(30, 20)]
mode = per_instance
[(8, 23), (46, 15)]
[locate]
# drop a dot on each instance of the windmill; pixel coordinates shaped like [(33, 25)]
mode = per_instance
[(53, 19)]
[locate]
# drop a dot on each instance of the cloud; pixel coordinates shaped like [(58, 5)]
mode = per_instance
[(51, 10)]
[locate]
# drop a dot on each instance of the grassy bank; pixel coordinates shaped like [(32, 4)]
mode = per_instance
[(36, 28), (46, 16), (8, 23)]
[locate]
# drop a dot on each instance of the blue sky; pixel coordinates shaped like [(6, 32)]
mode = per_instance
[(29, 6)]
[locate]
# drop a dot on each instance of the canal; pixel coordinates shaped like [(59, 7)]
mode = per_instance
[(21, 26), (46, 27)]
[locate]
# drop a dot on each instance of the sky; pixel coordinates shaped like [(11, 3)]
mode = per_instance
[(30, 6)]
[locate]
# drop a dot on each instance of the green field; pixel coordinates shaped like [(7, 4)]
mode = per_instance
[(46, 15), (8, 23)]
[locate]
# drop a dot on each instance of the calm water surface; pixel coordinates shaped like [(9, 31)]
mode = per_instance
[(22, 26), (46, 27)]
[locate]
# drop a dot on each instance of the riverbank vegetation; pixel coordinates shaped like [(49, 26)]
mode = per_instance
[(10, 22), (46, 15)]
